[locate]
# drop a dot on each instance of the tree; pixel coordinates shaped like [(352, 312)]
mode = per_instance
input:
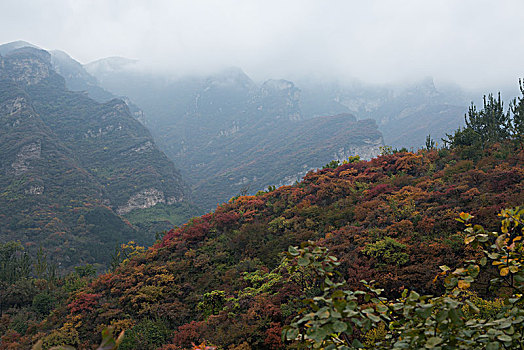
[(15, 265), (430, 143), (517, 109)]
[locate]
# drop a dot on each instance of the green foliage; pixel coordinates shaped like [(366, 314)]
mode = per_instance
[(15, 269), (43, 303), (212, 302), (332, 165), (15, 263), (490, 124), (430, 143), (344, 319), (386, 150), (517, 109), (147, 335), (387, 252)]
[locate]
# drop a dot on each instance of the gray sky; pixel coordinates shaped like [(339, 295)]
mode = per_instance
[(475, 43)]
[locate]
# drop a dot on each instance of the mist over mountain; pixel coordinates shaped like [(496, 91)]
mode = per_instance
[(207, 123), (231, 135)]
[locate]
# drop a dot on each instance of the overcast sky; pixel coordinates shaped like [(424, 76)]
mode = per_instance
[(474, 43)]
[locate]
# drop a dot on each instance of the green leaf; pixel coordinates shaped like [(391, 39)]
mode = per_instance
[(432, 342), (455, 318), (493, 346), (504, 338), (302, 261), (292, 334), (357, 344), (339, 326)]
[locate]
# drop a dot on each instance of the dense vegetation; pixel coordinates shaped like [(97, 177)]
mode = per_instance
[(69, 166), (341, 318), (220, 278)]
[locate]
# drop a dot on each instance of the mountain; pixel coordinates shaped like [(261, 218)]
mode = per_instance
[(230, 135), (77, 176), (221, 278), (405, 114)]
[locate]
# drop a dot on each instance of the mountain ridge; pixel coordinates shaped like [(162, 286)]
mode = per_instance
[(66, 156)]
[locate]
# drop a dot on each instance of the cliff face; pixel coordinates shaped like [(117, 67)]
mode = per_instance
[(65, 157)]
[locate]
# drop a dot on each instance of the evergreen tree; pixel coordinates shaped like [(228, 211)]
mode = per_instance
[(517, 109)]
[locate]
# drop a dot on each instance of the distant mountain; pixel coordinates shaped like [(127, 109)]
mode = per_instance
[(71, 168), (230, 135), (405, 115)]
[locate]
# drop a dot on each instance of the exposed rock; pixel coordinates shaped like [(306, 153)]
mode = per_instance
[(102, 131), (35, 190), (143, 148), (27, 152), (173, 200), (369, 150), (30, 71), (142, 200), (234, 129), (14, 106)]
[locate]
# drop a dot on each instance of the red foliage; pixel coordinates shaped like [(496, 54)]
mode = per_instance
[(274, 336), (188, 334), (84, 302)]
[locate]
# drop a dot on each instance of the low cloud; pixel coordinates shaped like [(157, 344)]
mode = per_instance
[(476, 44)]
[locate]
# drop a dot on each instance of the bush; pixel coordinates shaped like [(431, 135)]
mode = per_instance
[(43, 303), (146, 335), (387, 252)]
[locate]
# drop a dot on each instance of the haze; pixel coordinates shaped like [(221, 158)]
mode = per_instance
[(476, 44)]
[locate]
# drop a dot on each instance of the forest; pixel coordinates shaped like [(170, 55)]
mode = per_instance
[(407, 250)]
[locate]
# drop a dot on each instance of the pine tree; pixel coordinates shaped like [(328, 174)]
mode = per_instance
[(517, 109)]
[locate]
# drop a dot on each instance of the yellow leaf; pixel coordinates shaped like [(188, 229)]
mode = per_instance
[(469, 239), (513, 269), (504, 271), (463, 284)]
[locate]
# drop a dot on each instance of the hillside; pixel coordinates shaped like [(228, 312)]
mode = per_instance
[(230, 135), (391, 219), (71, 167)]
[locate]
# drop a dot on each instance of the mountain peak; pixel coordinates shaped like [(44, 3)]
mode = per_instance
[(109, 64), (6, 48), (229, 77)]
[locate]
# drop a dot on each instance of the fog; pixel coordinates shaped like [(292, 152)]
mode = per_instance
[(475, 44)]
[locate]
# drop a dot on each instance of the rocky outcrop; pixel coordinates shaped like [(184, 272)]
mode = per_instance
[(369, 148), (30, 67), (34, 190), (143, 200), (26, 153)]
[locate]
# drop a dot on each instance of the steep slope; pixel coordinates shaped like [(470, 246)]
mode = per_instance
[(219, 278), (231, 135), (70, 165)]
